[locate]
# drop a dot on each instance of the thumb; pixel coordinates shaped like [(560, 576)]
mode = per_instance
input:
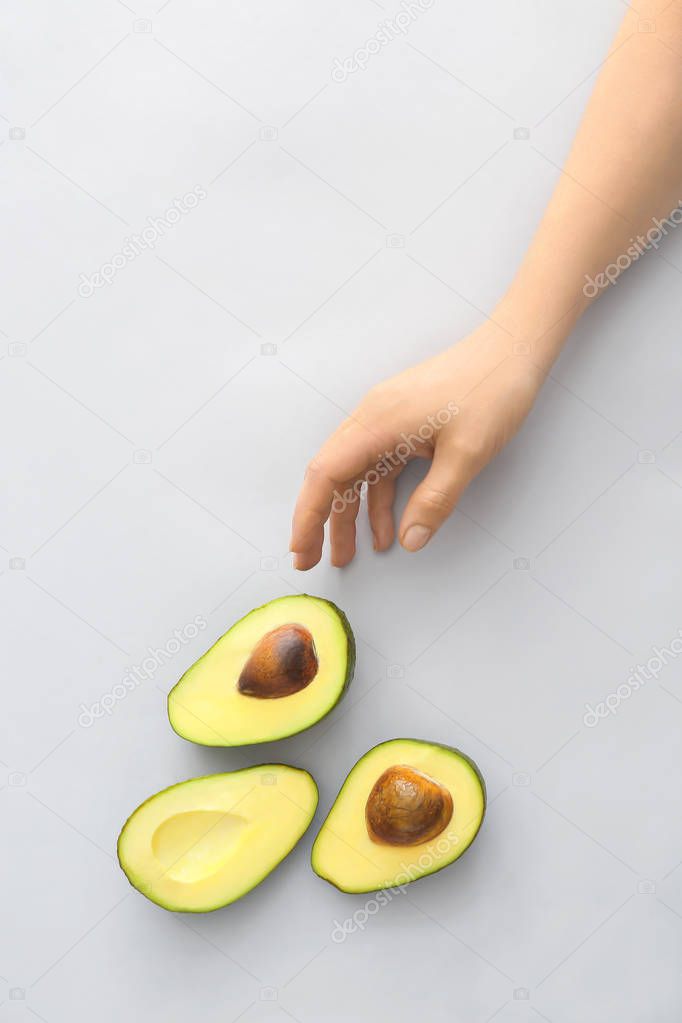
[(435, 498)]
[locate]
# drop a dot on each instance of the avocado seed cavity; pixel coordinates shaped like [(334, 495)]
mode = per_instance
[(406, 807), (283, 662)]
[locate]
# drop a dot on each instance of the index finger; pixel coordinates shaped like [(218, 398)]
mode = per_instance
[(345, 456)]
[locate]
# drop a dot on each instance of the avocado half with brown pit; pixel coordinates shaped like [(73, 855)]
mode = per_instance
[(407, 809), (277, 671)]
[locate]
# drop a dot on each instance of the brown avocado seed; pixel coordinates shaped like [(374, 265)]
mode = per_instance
[(406, 807), (283, 662)]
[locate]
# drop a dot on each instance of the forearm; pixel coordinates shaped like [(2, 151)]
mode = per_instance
[(624, 172)]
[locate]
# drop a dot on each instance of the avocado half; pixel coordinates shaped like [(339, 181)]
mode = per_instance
[(276, 672), (407, 809), (206, 842)]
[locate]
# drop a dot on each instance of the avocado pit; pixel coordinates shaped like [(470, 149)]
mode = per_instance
[(283, 662), (406, 807)]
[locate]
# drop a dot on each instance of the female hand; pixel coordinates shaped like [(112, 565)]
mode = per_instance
[(457, 409)]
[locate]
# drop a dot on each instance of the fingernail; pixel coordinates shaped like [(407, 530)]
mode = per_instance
[(297, 560), (416, 537)]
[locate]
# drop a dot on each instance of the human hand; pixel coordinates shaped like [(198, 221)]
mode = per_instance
[(457, 409)]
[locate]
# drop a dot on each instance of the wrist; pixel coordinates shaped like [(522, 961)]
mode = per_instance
[(538, 324)]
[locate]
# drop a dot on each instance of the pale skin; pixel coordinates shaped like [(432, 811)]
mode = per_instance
[(624, 170)]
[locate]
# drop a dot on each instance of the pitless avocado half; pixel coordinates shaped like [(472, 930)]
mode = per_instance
[(407, 809), (204, 843), (276, 672)]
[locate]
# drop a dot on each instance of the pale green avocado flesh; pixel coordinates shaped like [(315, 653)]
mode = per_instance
[(205, 843)]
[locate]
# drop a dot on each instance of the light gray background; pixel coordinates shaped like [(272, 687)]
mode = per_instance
[(381, 223)]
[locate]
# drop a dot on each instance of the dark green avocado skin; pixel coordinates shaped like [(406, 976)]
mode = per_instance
[(452, 749), (350, 664), (350, 667)]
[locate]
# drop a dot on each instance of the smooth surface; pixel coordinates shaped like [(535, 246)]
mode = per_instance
[(153, 454)]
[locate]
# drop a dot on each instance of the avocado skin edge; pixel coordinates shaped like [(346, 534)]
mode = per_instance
[(426, 742), (350, 671), (204, 777)]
